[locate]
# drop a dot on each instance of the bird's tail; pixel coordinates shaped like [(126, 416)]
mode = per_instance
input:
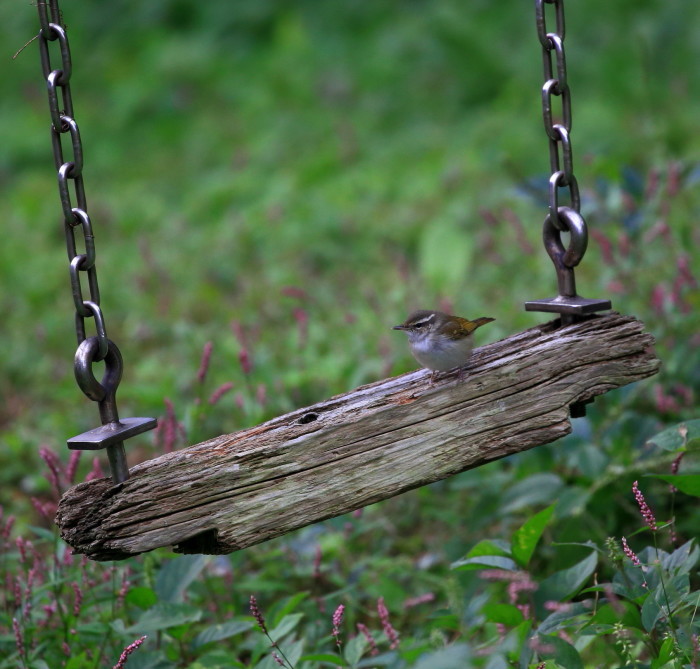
[(481, 321)]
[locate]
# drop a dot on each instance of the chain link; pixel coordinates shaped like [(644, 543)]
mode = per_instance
[(568, 304), (70, 179), (558, 132), (70, 174)]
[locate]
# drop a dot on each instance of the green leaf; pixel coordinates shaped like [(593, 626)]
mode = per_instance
[(78, 662), (683, 559), (535, 489), (605, 618), (665, 656), (355, 649), (677, 436), (328, 658), (221, 631), (564, 618), (288, 606), (142, 597), (455, 656), (490, 547), (507, 614), (488, 561), (165, 615), (562, 652), (175, 575), (687, 483), (564, 584), (526, 537), (651, 612), (285, 626)]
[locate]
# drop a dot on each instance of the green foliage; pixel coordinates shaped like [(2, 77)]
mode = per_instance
[(286, 181)]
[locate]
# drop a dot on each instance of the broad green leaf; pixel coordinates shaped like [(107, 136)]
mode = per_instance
[(563, 653), (175, 575), (165, 615), (559, 619), (535, 489), (452, 657), (490, 547), (686, 483), (326, 658), (78, 662), (383, 660), (526, 537), (293, 651), (288, 606), (673, 438), (683, 559), (564, 584), (666, 655), (507, 614), (221, 631), (651, 612), (605, 618), (485, 561), (142, 597), (355, 649), (286, 625)]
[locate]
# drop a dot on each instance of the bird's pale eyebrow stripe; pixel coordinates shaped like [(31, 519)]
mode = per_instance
[(425, 321)]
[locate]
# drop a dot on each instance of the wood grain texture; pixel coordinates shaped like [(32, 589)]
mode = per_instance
[(359, 448)]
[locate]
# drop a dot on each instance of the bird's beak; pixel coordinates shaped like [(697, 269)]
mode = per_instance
[(399, 327)]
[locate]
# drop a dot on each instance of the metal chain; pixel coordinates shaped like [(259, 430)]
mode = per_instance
[(70, 172), (99, 347), (560, 151), (568, 304)]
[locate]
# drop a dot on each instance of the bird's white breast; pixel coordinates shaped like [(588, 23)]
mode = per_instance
[(442, 354)]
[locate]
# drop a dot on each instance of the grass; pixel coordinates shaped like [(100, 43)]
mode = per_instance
[(288, 180)]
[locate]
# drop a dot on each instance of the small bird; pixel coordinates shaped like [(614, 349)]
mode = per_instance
[(439, 341)]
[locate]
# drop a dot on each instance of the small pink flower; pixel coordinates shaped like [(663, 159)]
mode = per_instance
[(72, 468), (389, 631), (647, 513), (220, 392), (204, 362), (245, 361), (421, 599), (373, 650), (630, 553), (78, 602), (128, 651), (54, 466), (19, 640), (337, 620), (257, 614)]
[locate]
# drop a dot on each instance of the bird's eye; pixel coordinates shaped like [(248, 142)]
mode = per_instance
[(420, 324)]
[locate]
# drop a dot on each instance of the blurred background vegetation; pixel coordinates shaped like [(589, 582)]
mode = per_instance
[(289, 179)]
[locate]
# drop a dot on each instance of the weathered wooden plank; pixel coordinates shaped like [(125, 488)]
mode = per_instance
[(355, 449)]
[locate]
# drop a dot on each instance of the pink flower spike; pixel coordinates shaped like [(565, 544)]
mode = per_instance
[(220, 392), (632, 556), (257, 614), (647, 513), (204, 362), (630, 553), (19, 640), (390, 632), (373, 650), (72, 468), (128, 651), (337, 619)]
